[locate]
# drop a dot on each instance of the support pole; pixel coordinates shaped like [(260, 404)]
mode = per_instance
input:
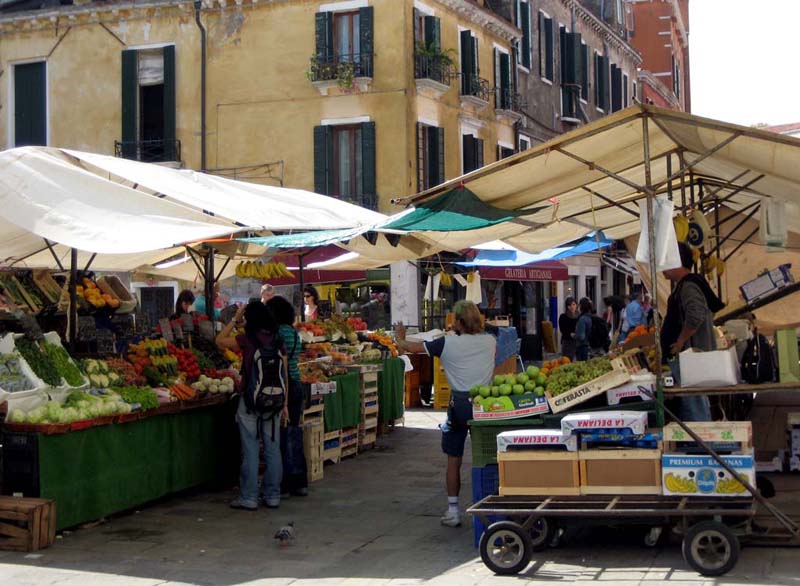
[(210, 281), (653, 269), (72, 319), (717, 247), (302, 287)]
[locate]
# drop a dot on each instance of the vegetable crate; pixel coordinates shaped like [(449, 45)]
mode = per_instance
[(484, 437), (539, 472), (332, 446), (26, 524), (727, 436), (368, 428), (314, 414), (313, 439), (620, 471), (349, 441), (597, 386), (441, 388)]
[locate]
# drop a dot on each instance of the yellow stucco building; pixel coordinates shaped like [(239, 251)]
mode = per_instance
[(362, 99)]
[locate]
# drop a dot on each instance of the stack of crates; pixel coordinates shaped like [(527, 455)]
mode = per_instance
[(368, 428), (441, 388), (312, 447)]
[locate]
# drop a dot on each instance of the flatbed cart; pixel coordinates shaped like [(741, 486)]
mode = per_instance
[(712, 527)]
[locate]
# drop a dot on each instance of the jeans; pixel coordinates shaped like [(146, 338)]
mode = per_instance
[(248, 476), (691, 408)]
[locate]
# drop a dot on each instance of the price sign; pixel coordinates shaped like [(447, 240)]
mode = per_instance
[(207, 329), (166, 330), (188, 322)]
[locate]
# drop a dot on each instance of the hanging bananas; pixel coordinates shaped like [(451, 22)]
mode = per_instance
[(445, 279), (260, 270), (681, 228)]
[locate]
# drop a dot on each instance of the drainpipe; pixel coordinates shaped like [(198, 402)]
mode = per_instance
[(197, 6)]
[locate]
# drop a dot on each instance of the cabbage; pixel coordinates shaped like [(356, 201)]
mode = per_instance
[(17, 416), (125, 408)]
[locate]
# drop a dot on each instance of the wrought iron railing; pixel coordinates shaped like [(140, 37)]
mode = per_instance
[(472, 85), (149, 151), (435, 68), (341, 68), (369, 202), (507, 99)]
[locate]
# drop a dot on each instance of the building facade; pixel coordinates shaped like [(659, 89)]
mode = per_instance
[(660, 32)]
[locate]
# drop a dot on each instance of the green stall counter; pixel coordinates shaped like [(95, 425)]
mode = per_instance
[(391, 381)]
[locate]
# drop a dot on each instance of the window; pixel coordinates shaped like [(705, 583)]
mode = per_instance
[(472, 152), (676, 78), (522, 18), (427, 46), (625, 99), (344, 162), (503, 152), (343, 37), (571, 48), (616, 88), (546, 47), (30, 104), (470, 68), (524, 143), (430, 156), (148, 105), (503, 81), (601, 82), (584, 73)]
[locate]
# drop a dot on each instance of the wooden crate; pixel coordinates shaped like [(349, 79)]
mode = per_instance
[(441, 397), (332, 446), (314, 414), (739, 432), (313, 439), (508, 366), (26, 524), (620, 471), (538, 472), (601, 384), (367, 438), (411, 388)]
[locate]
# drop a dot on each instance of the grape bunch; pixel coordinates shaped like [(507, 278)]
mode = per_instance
[(569, 376)]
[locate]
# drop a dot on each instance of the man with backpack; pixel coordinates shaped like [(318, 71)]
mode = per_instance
[(599, 340), (263, 404)]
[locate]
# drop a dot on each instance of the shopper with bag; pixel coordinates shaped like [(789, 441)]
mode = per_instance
[(263, 403), (567, 322)]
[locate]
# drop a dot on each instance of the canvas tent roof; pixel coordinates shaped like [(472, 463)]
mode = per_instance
[(133, 214)]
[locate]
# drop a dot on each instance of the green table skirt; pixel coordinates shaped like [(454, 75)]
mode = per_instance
[(343, 408), (107, 469), (391, 383)]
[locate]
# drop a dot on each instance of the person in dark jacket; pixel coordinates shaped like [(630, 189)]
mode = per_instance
[(567, 322), (583, 330)]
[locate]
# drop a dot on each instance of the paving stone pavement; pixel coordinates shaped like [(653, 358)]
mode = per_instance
[(373, 520)]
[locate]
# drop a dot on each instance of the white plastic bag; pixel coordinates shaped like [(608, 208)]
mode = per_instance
[(773, 229), (667, 254)]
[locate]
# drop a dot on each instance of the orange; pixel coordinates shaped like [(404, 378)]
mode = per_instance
[(565, 360)]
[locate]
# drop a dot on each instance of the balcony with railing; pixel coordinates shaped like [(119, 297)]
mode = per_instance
[(347, 71), (475, 91), (433, 72), (369, 202), (509, 104), (149, 151)]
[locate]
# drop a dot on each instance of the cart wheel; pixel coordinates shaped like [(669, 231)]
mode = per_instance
[(765, 487), (711, 548), (505, 548), (542, 533)]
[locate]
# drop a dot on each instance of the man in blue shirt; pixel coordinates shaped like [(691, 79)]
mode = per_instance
[(635, 315)]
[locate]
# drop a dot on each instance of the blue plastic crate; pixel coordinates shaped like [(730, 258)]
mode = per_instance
[(485, 482)]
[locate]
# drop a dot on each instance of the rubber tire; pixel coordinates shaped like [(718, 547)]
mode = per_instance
[(722, 531), (523, 538), (543, 535)]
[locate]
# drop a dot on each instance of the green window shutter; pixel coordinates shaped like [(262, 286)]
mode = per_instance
[(585, 72), (433, 33), (420, 156), (525, 17), (323, 33), (467, 63), (505, 81), (170, 150), (562, 46), (542, 51), (571, 60), (432, 159), (130, 99), (616, 88), (440, 152), (365, 31), (368, 181), (323, 159), (30, 104), (604, 79), (468, 146), (549, 48), (478, 153), (625, 98)]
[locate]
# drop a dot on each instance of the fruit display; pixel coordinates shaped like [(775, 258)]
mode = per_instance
[(218, 359), (569, 376), (39, 361), (68, 370), (94, 296), (319, 371), (530, 381), (12, 377), (21, 291), (370, 356), (212, 385), (186, 361), (358, 324), (144, 397), (182, 392), (100, 373), (127, 371), (78, 406), (263, 270), (381, 338)]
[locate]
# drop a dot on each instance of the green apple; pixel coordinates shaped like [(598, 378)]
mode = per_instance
[(505, 390), (530, 386), (473, 392), (541, 379), (477, 401), (498, 380), (517, 389), (539, 391), (522, 378), (511, 379), (496, 391), (533, 371), (484, 391)]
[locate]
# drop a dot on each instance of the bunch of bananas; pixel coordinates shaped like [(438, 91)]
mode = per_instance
[(445, 279), (470, 276), (681, 224), (731, 485), (261, 270), (679, 484), (714, 263)]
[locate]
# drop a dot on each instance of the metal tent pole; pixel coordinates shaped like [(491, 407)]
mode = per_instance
[(72, 327), (209, 288), (302, 287)]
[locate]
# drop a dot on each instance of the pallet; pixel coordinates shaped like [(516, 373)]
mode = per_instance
[(350, 451), (522, 472), (27, 524), (332, 447), (620, 471), (349, 437), (314, 414)]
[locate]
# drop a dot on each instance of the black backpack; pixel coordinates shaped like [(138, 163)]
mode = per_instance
[(758, 365), (598, 335), (266, 383)]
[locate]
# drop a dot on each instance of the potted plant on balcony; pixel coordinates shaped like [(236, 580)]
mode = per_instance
[(343, 72), (434, 62)]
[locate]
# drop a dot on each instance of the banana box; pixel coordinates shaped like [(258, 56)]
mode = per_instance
[(701, 475)]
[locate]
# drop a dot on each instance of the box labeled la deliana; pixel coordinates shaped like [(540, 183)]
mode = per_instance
[(687, 475)]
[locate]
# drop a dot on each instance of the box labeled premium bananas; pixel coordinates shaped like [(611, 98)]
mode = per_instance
[(700, 475)]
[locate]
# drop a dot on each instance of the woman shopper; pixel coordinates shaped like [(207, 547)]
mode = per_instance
[(295, 472), (566, 325), (311, 301), (183, 304), (583, 329), (260, 334), (468, 360)]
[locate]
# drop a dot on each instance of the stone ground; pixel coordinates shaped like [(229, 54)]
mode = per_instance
[(372, 520)]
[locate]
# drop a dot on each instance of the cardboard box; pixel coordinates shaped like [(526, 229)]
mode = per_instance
[(512, 407), (539, 472), (635, 421), (620, 471), (632, 390), (717, 368), (740, 432), (768, 283), (524, 439), (685, 475)]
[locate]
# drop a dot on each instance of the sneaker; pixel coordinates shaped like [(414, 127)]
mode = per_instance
[(242, 506), (300, 491), (451, 519), (271, 503)]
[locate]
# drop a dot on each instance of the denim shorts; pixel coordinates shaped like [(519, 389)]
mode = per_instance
[(459, 414)]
